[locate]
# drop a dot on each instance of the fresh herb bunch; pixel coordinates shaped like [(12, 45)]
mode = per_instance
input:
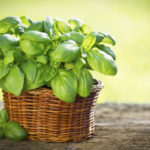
[(11, 129), (52, 53)]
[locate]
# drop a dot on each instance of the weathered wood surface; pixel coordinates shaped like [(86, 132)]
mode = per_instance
[(118, 127)]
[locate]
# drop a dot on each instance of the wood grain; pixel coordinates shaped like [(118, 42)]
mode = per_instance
[(118, 127)]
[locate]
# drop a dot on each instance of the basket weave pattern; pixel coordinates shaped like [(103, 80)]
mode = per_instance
[(48, 119)]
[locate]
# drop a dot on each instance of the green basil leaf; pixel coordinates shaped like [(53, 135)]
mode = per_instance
[(13, 53), (9, 58), (38, 81), (85, 83), (36, 26), (8, 23), (89, 41), (62, 27), (80, 62), (84, 29), (64, 86), (108, 38), (48, 24), (14, 131), (75, 36), (42, 59), (102, 62), (26, 20), (20, 28), (107, 50), (74, 22), (34, 43), (35, 36), (4, 69), (99, 37), (29, 69), (69, 65), (7, 40), (14, 81), (3, 117), (68, 51)]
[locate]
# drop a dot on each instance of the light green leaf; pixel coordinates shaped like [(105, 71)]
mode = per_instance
[(74, 22), (85, 83), (38, 81), (84, 29), (89, 41), (26, 20), (75, 36), (35, 36), (62, 26), (64, 86), (8, 23), (9, 58), (48, 24), (68, 51), (29, 69), (36, 26), (42, 59), (14, 80), (34, 43), (7, 40), (102, 62), (3, 117), (4, 69)]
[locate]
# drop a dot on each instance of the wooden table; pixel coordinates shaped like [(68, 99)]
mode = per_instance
[(118, 127)]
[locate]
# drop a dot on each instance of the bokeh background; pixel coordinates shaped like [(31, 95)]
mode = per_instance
[(127, 20)]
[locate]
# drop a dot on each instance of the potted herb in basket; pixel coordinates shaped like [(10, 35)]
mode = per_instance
[(45, 75)]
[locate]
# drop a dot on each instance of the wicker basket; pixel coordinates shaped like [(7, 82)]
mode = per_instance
[(48, 119)]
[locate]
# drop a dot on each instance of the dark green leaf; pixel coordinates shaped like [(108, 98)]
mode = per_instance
[(108, 38), (107, 50), (99, 37)]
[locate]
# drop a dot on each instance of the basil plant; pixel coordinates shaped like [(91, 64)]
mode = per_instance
[(54, 54)]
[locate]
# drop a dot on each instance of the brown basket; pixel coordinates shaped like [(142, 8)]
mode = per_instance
[(48, 119)]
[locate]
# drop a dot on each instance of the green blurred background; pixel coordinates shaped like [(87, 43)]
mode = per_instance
[(127, 20)]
